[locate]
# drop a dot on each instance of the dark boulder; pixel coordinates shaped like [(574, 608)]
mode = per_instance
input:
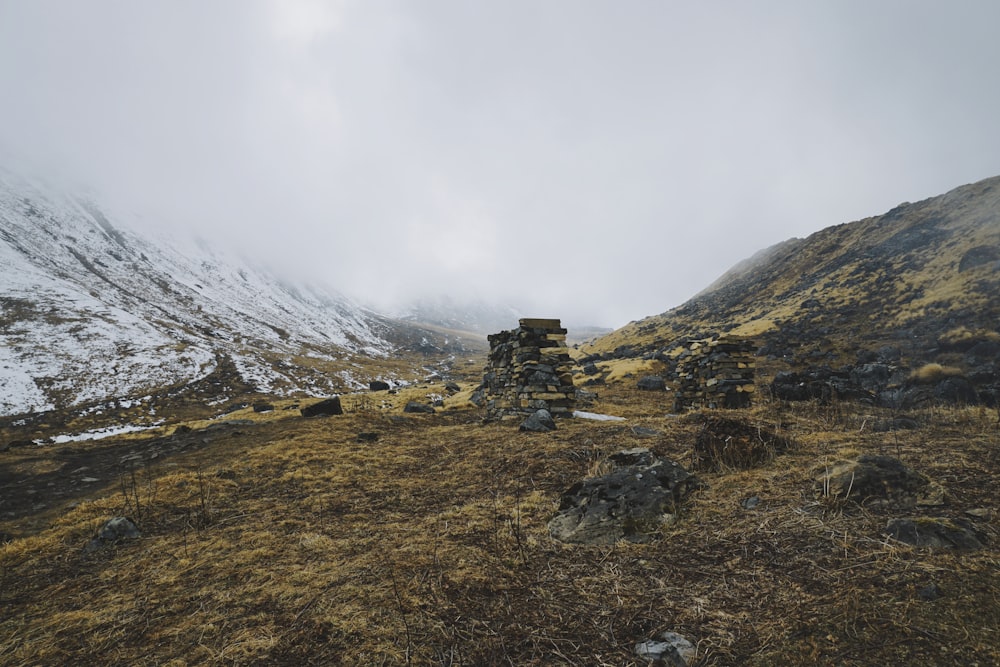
[(871, 377), (540, 421), (652, 383), (936, 533), (591, 369), (367, 437), (329, 406), (415, 407), (632, 502), (452, 387), (956, 390), (379, 385), (263, 407)]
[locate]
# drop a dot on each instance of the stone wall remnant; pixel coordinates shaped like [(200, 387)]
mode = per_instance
[(529, 369), (716, 373)]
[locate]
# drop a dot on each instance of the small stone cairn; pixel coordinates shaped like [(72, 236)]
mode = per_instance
[(716, 373), (529, 369)]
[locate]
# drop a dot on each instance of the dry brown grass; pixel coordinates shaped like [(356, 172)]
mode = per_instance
[(292, 544), (931, 373)]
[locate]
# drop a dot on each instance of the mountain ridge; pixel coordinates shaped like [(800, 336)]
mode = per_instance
[(904, 277), (93, 310)]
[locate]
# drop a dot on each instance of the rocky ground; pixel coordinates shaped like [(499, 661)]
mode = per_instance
[(805, 535)]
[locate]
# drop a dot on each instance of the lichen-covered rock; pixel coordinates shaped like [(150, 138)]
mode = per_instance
[(112, 532), (632, 502), (936, 533), (539, 421)]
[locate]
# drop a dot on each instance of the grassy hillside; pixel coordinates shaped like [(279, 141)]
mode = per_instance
[(903, 278)]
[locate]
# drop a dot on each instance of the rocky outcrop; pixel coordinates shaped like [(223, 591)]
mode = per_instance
[(632, 502)]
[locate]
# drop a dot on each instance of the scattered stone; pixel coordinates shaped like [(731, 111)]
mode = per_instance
[(936, 533), (897, 424), (930, 592), (115, 530), (478, 398), (585, 398), (89, 480), (327, 407), (750, 503), (652, 383), (632, 502), (415, 407), (672, 650), (16, 444), (591, 369), (643, 432), (379, 385), (880, 481), (452, 387), (263, 407), (871, 377), (980, 513), (367, 437), (539, 421)]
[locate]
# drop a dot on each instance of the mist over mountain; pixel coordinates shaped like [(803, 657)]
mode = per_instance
[(92, 310), (905, 278)]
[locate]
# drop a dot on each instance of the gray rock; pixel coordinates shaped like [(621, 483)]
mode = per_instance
[(670, 649), (872, 377), (897, 424), (930, 592), (419, 408), (936, 533), (540, 421), (591, 369), (378, 385), (652, 383), (330, 406), (113, 531), (452, 387), (643, 432), (632, 502), (263, 407)]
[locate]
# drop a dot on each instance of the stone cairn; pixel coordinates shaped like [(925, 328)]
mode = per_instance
[(716, 373), (529, 369)]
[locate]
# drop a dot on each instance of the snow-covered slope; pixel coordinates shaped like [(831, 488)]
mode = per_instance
[(90, 310)]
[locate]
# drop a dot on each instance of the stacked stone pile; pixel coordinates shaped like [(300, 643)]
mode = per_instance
[(716, 373), (529, 369)]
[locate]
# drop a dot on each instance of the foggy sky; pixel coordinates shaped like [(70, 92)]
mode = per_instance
[(595, 161)]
